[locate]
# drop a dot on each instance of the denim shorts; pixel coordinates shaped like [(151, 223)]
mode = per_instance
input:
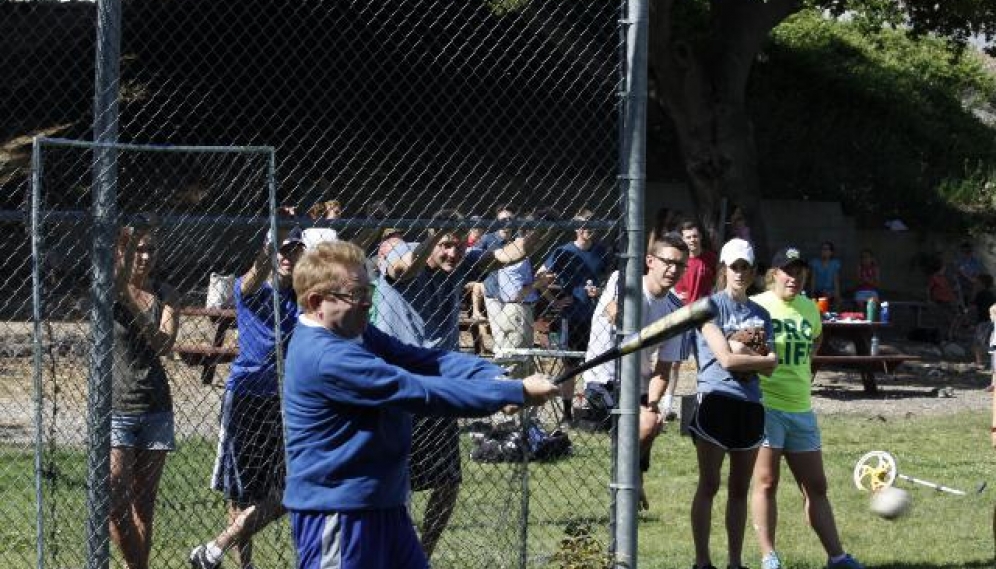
[(147, 431), (791, 432)]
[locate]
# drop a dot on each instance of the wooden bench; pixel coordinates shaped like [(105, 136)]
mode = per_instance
[(214, 353), (867, 365)]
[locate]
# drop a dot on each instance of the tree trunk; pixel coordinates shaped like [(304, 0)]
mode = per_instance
[(702, 87)]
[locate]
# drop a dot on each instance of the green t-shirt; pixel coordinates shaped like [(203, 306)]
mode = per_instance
[(796, 324)]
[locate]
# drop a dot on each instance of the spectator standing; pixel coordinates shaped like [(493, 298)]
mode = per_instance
[(826, 274), (350, 390), (869, 279), (984, 299), (729, 418), (941, 294), (790, 424), (738, 224), (697, 282), (250, 466), (418, 302), (665, 261), (326, 210), (579, 268), (967, 269), (145, 327), (510, 293)]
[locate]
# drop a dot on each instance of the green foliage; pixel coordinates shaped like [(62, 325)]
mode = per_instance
[(877, 120), (581, 550)]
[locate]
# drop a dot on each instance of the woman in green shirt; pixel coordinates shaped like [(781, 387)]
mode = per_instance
[(790, 426)]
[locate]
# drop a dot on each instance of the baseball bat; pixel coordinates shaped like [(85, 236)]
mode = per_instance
[(652, 334)]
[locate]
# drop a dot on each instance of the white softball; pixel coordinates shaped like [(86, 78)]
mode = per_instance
[(891, 502)]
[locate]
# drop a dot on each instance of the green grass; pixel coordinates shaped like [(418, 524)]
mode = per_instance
[(941, 531)]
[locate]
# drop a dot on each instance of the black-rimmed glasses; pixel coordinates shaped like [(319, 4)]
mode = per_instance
[(669, 263)]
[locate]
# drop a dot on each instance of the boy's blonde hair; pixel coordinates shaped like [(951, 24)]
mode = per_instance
[(322, 269)]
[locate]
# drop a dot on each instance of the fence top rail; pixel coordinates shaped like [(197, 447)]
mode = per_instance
[(67, 142), (8, 215)]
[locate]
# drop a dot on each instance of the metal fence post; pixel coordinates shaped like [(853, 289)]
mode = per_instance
[(37, 315), (105, 129), (634, 143)]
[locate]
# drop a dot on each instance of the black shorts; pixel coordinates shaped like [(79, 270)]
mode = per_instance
[(250, 465), (435, 456), (728, 422)]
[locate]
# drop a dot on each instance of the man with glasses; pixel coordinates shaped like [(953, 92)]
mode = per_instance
[(665, 261), (349, 394), (696, 282), (418, 302), (249, 469)]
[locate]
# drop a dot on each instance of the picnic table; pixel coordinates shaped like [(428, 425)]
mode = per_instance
[(862, 334), (208, 355)]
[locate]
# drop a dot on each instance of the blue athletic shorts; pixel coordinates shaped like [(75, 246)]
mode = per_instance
[(791, 432), (364, 539), (147, 431)]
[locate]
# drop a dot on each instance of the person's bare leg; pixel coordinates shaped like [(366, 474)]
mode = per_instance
[(738, 488), (710, 459), (148, 471), (807, 468), (764, 499), (244, 520), (649, 429), (124, 534), (438, 510)]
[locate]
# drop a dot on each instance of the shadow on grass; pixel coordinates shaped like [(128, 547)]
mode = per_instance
[(988, 563)]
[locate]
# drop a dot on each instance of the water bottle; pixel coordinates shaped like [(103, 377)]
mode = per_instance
[(873, 349), (883, 313), (871, 309)]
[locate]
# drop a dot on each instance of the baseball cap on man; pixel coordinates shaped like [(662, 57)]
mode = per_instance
[(786, 257), (294, 238), (736, 249)]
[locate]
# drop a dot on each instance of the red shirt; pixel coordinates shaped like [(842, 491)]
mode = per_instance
[(699, 277)]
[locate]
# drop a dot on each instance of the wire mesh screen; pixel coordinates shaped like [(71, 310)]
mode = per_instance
[(383, 116), (165, 407)]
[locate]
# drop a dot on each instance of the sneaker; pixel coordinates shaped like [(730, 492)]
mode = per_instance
[(847, 562), (710, 566), (199, 560), (771, 561)]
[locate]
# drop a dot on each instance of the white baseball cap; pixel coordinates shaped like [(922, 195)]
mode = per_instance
[(736, 249)]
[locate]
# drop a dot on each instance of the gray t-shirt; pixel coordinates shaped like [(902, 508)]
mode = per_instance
[(730, 317), (424, 310)]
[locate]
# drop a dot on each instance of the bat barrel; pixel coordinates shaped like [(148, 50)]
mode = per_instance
[(677, 322)]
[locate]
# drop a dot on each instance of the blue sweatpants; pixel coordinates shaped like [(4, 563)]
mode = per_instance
[(364, 539)]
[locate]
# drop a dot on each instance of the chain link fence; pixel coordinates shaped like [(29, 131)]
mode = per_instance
[(395, 112)]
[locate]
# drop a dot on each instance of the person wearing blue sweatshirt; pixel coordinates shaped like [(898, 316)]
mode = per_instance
[(349, 393)]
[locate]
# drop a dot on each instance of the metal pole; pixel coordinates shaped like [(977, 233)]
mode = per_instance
[(634, 143), (36, 298), (105, 130)]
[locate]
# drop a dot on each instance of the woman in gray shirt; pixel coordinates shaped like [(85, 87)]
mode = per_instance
[(729, 418)]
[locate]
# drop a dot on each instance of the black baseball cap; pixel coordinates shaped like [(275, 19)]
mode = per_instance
[(294, 238), (786, 257)]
